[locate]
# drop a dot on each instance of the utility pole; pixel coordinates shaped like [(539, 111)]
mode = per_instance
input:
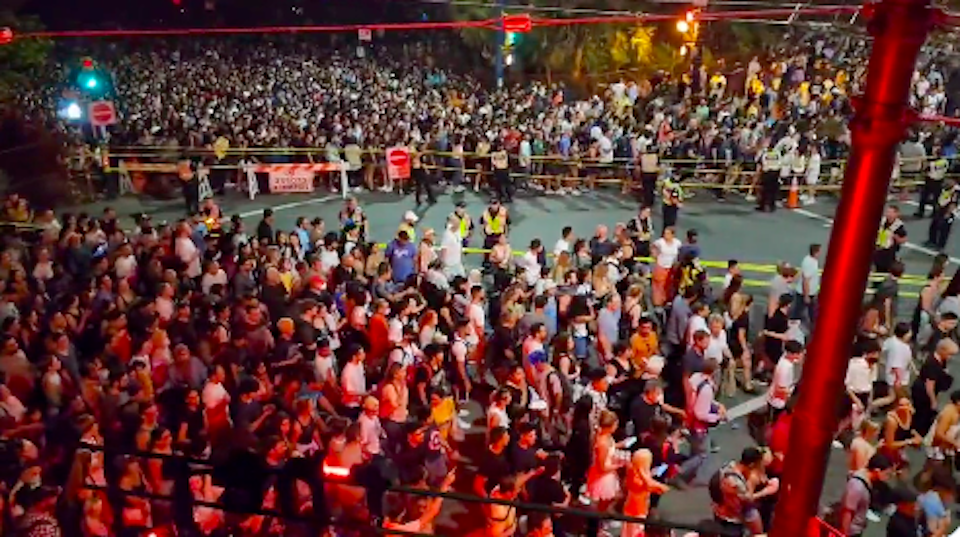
[(899, 28)]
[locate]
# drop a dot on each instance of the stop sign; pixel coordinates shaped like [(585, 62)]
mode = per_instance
[(102, 113), (398, 162)]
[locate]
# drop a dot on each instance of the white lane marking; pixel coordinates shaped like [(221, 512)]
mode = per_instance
[(907, 245), (747, 407), (288, 206)]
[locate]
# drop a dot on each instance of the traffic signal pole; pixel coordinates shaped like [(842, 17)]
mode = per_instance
[(501, 43), (899, 28)]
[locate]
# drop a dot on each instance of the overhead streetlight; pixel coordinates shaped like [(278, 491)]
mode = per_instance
[(683, 26)]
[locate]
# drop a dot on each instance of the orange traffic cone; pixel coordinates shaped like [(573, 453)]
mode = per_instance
[(793, 198)]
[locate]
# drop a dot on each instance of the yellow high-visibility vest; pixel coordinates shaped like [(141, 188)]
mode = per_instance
[(495, 224), (885, 237), (411, 231)]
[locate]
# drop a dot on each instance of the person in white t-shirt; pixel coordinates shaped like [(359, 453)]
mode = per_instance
[(212, 275), (531, 262), (353, 381), (898, 356), (187, 251), (665, 251), (808, 283), (565, 242), (784, 374), (451, 249)]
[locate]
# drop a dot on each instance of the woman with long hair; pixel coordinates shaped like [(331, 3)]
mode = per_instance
[(603, 481), (664, 252), (640, 486)]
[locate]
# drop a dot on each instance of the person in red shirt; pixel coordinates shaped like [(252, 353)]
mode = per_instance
[(378, 332)]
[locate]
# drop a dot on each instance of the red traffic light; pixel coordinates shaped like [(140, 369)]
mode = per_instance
[(520, 24), (6, 36), (86, 63)]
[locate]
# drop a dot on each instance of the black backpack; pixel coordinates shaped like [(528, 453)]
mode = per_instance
[(716, 482), (566, 400)]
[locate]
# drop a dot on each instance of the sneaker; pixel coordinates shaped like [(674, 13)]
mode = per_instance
[(836, 444), (872, 516), (750, 197)]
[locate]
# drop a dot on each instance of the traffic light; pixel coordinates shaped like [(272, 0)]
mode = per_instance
[(89, 78)]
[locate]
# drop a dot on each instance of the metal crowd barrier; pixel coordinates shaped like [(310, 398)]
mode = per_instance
[(733, 176), (184, 502)]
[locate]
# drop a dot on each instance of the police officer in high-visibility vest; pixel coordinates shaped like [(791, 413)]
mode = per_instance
[(409, 224), (495, 221), (190, 185), (892, 234), (943, 216), (502, 185), (672, 201), (769, 180), (933, 182), (464, 222)]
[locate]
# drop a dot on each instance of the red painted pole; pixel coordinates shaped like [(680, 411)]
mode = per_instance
[(900, 28)]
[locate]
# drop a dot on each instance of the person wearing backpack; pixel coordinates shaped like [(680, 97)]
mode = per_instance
[(734, 505), (555, 389), (851, 513)]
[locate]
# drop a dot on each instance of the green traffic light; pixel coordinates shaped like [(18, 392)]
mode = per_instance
[(92, 83)]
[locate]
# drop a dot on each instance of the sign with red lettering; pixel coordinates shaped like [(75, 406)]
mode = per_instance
[(398, 162), (102, 113)]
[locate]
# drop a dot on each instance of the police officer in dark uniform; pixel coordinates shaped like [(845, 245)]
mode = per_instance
[(189, 184), (769, 180), (943, 217)]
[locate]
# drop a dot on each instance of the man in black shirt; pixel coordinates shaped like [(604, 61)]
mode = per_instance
[(265, 227), (524, 453), (494, 465), (649, 406)]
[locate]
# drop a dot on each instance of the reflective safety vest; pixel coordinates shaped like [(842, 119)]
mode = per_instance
[(411, 231), (938, 169), (464, 227), (672, 192), (887, 232), (770, 161), (495, 225), (946, 197)]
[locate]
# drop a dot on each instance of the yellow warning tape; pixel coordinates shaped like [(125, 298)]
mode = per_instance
[(906, 279)]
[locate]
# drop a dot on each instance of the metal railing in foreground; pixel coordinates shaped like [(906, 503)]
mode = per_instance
[(184, 502)]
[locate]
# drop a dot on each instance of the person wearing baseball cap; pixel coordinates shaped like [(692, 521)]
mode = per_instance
[(409, 224)]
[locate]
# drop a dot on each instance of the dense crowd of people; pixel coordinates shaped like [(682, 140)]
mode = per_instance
[(301, 362), (336, 105)]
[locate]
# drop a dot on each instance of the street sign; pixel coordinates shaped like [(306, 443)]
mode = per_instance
[(520, 24), (365, 34), (398, 163), (102, 113)]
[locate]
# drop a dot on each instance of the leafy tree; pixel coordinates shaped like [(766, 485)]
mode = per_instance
[(21, 60)]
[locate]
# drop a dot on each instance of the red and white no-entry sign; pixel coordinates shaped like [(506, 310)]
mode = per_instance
[(102, 113), (398, 162)]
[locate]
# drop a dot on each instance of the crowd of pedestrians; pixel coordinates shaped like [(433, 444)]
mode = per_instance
[(302, 361)]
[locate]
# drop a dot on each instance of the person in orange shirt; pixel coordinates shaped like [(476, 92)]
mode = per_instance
[(377, 332), (644, 343)]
